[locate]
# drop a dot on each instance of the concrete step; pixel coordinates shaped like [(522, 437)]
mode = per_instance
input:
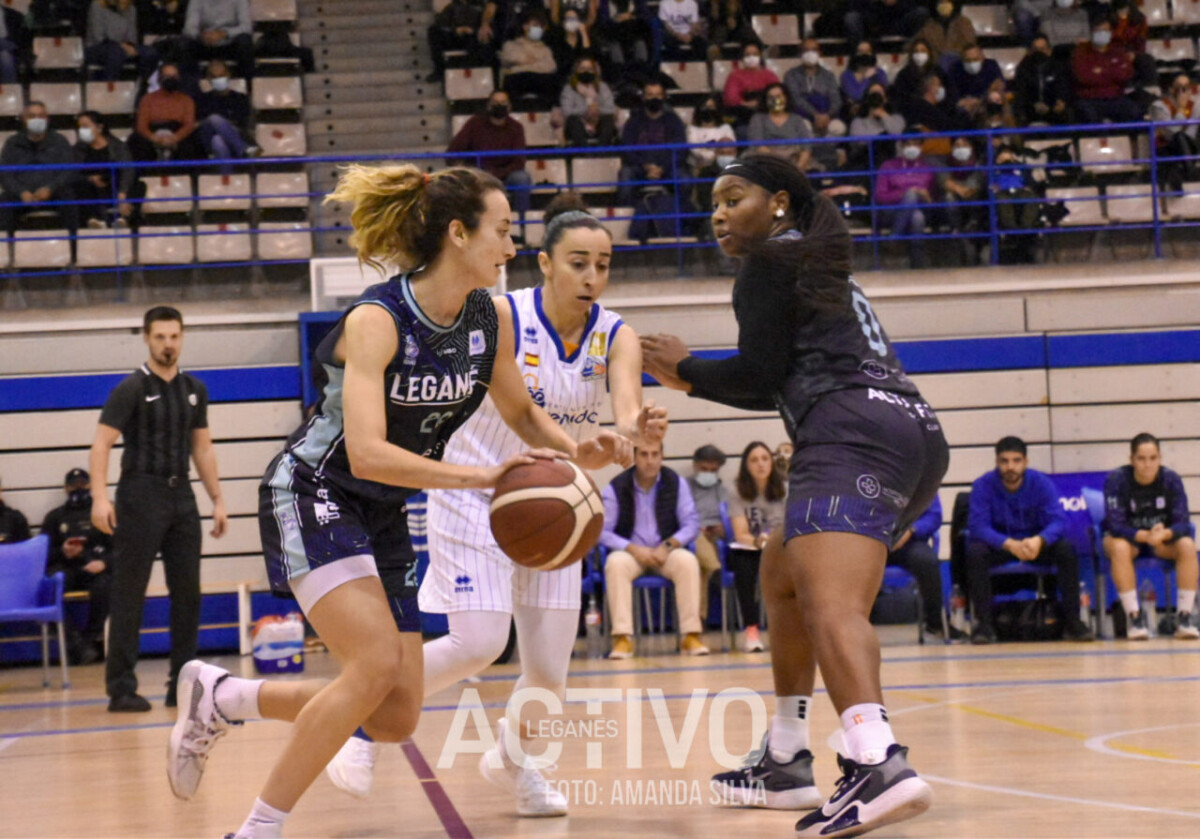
[(399, 125), (403, 82), (342, 8), (367, 49), (353, 110), (363, 34), (387, 23), (413, 60), (376, 142)]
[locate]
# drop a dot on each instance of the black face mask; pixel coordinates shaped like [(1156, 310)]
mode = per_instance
[(994, 108), (863, 62), (874, 100), (707, 114), (170, 84), (498, 111), (79, 497), (586, 77), (655, 106)]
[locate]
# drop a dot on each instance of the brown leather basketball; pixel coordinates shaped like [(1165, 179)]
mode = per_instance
[(546, 514)]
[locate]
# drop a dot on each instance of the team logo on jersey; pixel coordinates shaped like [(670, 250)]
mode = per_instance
[(326, 511), (868, 486), (1160, 502), (531, 334), (594, 368), (599, 344), (462, 584), (532, 359), (411, 350), (446, 389), (874, 369), (478, 344), (192, 400)]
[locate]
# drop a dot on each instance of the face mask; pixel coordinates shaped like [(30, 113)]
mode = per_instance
[(911, 152), (536, 33), (79, 497), (707, 114), (752, 61), (864, 62), (810, 58), (973, 67), (498, 111), (776, 103), (654, 106), (36, 125), (919, 58), (994, 108), (945, 9), (1101, 37), (220, 83), (169, 83), (962, 154), (874, 100), (571, 25), (941, 94), (86, 135), (724, 160), (706, 479), (1064, 4), (586, 77)]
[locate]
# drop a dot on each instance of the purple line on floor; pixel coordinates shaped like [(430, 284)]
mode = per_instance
[(455, 827)]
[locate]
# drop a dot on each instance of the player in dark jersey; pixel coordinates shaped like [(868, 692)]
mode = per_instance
[(869, 456), (406, 365)]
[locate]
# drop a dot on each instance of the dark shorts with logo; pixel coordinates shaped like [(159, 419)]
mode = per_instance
[(307, 521), (866, 461)]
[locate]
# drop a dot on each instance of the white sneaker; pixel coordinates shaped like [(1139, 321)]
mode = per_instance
[(353, 768), (536, 797), (197, 728)]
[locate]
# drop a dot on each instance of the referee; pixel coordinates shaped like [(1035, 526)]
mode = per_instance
[(163, 416)]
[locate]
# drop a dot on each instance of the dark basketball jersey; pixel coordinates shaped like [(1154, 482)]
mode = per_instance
[(438, 378)]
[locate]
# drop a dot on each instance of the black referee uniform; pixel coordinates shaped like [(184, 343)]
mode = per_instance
[(156, 512)]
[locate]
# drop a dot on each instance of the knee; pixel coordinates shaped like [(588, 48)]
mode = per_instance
[(399, 721), (1185, 549), (910, 197), (379, 672), (479, 652)]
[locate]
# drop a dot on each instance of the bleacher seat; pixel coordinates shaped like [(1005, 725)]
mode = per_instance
[(1185, 11), (166, 245), (21, 6), (457, 122), (167, 194), (1187, 205), (223, 243), (1084, 210), (103, 248), (1172, 50), (469, 83), (616, 220), (284, 240), (12, 100), (59, 53), (277, 93), (600, 172), (1008, 58), (273, 11), (234, 84), (281, 139), (61, 99), (780, 66), (533, 230), (720, 73), (684, 112), (691, 76), (224, 192), (538, 130), (282, 189), (548, 174), (111, 97), (988, 20), (891, 62), (1107, 155), (1129, 203), (5, 253), (42, 249), (1155, 11), (777, 30)]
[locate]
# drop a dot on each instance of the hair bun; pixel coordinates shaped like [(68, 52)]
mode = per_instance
[(567, 201)]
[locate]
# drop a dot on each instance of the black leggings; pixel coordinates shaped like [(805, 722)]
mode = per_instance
[(744, 565)]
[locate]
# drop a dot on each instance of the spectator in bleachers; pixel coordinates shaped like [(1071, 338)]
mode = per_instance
[(649, 519), (1066, 25), (962, 181), (934, 112), (36, 145), (682, 31), (112, 39), (910, 81), (223, 118), (166, 121), (813, 90), (14, 527), (1026, 15), (778, 121), (1041, 87), (708, 494), (729, 24), (462, 25), (221, 29), (82, 552), (625, 32), (161, 17), (1015, 516), (94, 185), (13, 42), (913, 552), (870, 20), (588, 11), (756, 510), (972, 78), (1146, 514), (949, 32), (1017, 207), (1101, 73), (745, 84), (1130, 29), (1179, 102), (906, 182), (829, 154), (588, 107), (710, 129), (652, 124), (527, 64), (876, 117), (570, 41), (495, 130), (864, 71)]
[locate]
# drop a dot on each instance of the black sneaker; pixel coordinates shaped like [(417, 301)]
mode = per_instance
[(869, 796), (955, 636), (1079, 631), (1185, 627), (128, 703), (1136, 628), (983, 635), (172, 699), (764, 782)]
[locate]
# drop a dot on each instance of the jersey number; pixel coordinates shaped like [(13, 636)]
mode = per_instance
[(870, 323), (432, 422)]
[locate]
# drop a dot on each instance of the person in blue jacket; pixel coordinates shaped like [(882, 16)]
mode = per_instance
[(1146, 514), (1015, 515), (914, 554)]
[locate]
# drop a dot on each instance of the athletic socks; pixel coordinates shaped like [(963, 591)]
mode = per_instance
[(237, 699), (789, 727), (1129, 601), (1187, 600), (867, 733), (264, 822)]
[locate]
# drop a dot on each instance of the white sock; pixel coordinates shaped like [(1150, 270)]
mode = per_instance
[(237, 699), (264, 822), (789, 727), (867, 733), (1187, 600), (1129, 600)]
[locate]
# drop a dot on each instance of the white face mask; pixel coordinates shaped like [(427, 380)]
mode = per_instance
[(973, 67), (1101, 37), (724, 160), (536, 33), (752, 61), (220, 83), (941, 94), (571, 24), (810, 58), (86, 135), (706, 479), (919, 58), (36, 125), (1064, 4), (962, 154), (911, 152)]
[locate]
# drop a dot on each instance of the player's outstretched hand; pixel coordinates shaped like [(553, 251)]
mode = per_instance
[(652, 423), (661, 355), (605, 448), (491, 476)]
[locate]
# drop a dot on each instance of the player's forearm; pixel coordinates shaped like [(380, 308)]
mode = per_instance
[(537, 429), (384, 463)]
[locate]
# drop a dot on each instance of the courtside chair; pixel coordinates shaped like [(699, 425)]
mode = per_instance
[(642, 606), (27, 594), (729, 602)]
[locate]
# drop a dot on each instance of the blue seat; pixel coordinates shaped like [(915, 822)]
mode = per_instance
[(27, 594), (643, 612)]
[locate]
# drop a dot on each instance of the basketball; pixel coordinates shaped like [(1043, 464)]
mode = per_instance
[(546, 514)]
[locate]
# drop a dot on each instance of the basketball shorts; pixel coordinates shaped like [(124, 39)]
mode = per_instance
[(308, 522), (469, 573), (866, 461)]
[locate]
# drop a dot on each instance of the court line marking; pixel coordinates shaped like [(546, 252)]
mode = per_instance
[(1099, 743), (446, 812), (1062, 799)]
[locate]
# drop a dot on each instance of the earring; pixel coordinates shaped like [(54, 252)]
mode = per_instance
[(779, 213)]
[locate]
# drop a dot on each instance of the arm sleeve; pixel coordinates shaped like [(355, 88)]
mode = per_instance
[(980, 517), (1181, 524), (143, 117), (189, 120), (62, 153), (1116, 507), (51, 529), (93, 24), (605, 101), (244, 25), (120, 154), (121, 403), (8, 179), (191, 23), (609, 537), (737, 507), (200, 415), (929, 522), (835, 95), (1056, 519), (689, 519), (22, 527)]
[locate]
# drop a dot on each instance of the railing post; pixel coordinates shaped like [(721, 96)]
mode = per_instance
[(871, 181), (114, 178), (993, 221), (1154, 190), (678, 210)]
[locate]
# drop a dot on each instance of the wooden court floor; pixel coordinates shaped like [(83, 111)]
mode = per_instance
[(1044, 740)]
